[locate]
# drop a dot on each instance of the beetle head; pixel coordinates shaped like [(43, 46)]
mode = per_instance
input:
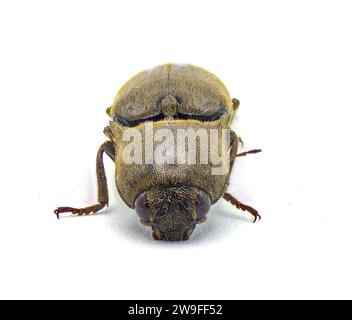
[(172, 211)]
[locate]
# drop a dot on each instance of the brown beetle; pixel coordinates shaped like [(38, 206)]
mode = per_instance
[(170, 183)]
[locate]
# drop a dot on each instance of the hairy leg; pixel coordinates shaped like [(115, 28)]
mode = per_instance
[(230, 198), (103, 195)]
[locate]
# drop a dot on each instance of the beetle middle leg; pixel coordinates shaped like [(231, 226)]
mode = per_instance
[(248, 152), (103, 195)]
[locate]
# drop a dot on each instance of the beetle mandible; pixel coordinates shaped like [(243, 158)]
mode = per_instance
[(170, 195)]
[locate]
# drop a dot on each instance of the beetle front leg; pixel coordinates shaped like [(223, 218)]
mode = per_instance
[(230, 198), (103, 195)]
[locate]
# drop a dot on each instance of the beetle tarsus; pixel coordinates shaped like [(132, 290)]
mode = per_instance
[(248, 152), (228, 197), (80, 211)]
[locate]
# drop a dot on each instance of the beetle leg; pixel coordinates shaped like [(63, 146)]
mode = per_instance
[(248, 152), (228, 197), (103, 195)]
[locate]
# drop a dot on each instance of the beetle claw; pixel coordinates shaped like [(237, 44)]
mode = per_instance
[(65, 209), (251, 210), (242, 206), (80, 212), (256, 216)]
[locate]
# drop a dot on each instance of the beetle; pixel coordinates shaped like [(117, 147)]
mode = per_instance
[(171, 197)]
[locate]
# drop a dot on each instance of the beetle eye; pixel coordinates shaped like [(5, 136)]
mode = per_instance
[(203, 205), (141, 207)]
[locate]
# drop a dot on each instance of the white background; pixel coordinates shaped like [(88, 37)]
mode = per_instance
[(289, 62)]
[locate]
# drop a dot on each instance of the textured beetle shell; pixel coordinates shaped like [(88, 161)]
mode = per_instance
[(197, 91), (133, 179)]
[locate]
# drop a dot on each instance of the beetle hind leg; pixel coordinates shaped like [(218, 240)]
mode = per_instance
[(230, 198), (103, 195)]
